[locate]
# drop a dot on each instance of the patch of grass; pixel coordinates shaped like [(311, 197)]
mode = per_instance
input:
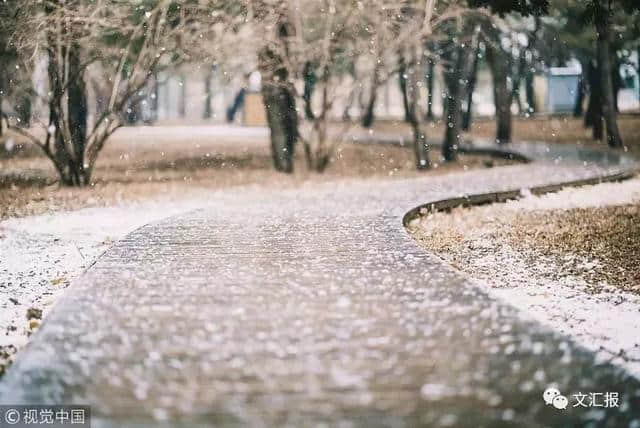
[(599, 244), (609, 235)]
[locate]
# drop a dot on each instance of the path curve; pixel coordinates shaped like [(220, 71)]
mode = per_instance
[(313, 305)]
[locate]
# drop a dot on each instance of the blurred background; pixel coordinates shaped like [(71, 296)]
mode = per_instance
[(103, 100)]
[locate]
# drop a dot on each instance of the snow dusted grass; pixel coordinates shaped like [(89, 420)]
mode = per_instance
[(567, 259), (599, 243), (42, 254)]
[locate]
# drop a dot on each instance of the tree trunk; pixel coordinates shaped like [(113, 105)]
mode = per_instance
[(182, 102), (279, 102), (499, 65), (2, 86), (616, 82), (68, 155), (402, 81), (593, 84), (280, 106), (597, 125), (468, 113), (369, 115), (421, 148), (430, 79), (1, 112), (353, 95), (414, 78), (208, 111), (283, 122), (77, 110), (309, 87), (155, 98), (23, 109), (517, 80), (317, 148), (524, 70), (604, 69), (60, 156), (593, 115), (530, 92), (528, 79), (577, 108), (455, 80)]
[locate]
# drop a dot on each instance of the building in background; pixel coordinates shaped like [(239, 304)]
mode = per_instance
[(202, 94)]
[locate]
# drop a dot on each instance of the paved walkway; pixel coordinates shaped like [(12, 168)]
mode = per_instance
[(301, 307)]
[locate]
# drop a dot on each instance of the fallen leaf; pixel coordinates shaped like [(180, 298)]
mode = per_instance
[(58, 281)]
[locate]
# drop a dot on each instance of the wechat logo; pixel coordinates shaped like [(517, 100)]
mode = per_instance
[(552, 396)]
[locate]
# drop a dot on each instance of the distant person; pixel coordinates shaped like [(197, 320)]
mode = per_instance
[(238, 101), (252, 83)]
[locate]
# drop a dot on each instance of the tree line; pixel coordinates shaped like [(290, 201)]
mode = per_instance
[(313, 55)]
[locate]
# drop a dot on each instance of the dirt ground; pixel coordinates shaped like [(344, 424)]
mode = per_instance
[(611, 235), (568, 260), (565, 130), (134, 166), (593, 237), (138, 164), (555, 129)]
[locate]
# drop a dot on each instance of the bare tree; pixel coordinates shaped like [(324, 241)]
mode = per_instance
[(326, 38), (130, 42), (208, 92)]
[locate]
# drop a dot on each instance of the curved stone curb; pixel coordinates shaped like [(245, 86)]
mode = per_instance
[(508, 195), (312, 306)]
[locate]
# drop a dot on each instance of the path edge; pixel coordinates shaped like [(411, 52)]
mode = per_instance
[(508, 195)]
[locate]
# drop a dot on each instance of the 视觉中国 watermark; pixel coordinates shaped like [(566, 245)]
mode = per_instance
[(54, 416)]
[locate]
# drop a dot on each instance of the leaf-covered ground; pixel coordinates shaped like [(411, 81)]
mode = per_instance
[(599, 243), (609, 235)]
